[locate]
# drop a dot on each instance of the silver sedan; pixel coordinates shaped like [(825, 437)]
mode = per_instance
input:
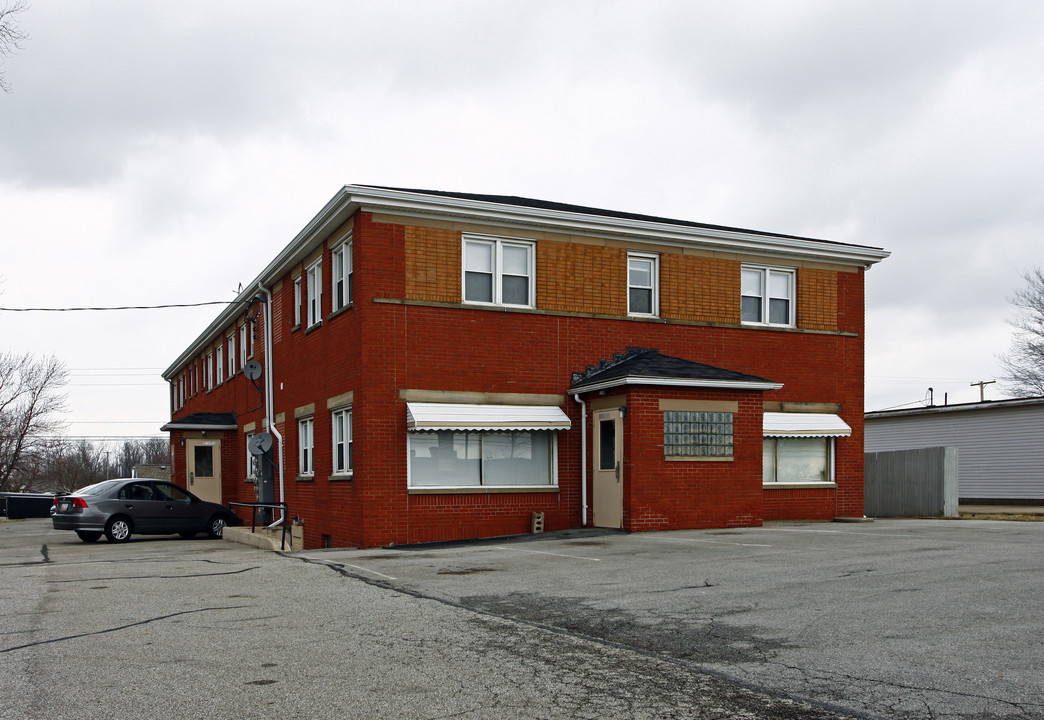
[(119, 508)]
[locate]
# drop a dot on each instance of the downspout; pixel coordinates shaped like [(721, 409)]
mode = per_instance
[(269, 390), (583, 460)]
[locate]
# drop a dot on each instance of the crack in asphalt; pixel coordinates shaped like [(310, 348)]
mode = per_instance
[(147, 621), (810, 676), (155, 577)]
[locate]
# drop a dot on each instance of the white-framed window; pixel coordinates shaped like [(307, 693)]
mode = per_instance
[(243, 345), (297, 301), (231, 342), (342, 441), (518, 458), (342, 274), (697, 434), (253, 462), (314, 289), (208, 376), (643, 280), (219, 364), (798, 460), (767, 295), (305, 446), (499, 271)]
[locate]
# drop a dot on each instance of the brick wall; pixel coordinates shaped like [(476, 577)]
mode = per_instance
[(385, 343)]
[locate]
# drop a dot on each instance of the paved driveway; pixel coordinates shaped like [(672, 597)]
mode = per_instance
[(896, 619)]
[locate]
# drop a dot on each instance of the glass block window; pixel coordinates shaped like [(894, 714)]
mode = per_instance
[(690, 433)]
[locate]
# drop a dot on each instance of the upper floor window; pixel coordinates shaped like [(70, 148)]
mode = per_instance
[(297, 301), (231, 341), (208, 374), (314, 281), (642, 284), (498, 271), (342, 274), (767, 295), (219, 367), (243, 345)]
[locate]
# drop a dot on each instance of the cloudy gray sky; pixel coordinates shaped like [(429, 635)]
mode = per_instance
[(155, 152)]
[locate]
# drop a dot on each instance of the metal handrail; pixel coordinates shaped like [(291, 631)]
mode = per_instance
[(253, 516)]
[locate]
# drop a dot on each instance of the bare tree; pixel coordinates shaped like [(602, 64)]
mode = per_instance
[(10, 36), (1023, 363), (31, 405)]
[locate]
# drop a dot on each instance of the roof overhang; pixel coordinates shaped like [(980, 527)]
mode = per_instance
[(675, 382), (804, 425), (203, 421), (460, 416)]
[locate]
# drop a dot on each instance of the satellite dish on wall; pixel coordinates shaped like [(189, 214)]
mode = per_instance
[(259, 444), (252, 370)]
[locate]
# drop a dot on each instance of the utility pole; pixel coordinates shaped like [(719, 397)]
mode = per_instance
[(982, 387)]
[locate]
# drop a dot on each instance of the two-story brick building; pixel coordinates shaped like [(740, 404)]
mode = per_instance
[(430, 366)]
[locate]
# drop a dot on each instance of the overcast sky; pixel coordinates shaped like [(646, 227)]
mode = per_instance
[(164, 152)]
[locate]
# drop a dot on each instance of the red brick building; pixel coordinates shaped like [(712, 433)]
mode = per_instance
[(433, 366)]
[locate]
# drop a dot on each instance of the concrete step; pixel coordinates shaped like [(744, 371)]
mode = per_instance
[(266, 538)]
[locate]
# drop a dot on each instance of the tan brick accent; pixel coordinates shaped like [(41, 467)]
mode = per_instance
[(433, 264), (816, 299), (699, 288), (581, 278)]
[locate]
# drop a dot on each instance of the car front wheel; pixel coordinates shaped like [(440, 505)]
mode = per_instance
[(118, 530), (216, 526), (88, 536)]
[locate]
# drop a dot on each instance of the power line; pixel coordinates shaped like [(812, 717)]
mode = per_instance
[(125, 307)]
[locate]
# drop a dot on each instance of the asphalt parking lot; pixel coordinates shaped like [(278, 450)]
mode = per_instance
[(891, 619)]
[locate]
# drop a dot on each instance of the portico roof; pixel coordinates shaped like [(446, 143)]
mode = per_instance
[(648, 366)]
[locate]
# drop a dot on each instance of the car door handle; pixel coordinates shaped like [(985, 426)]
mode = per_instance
[(129, 506)]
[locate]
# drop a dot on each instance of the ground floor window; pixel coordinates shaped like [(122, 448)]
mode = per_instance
[(342, 442), (305, 430), (448, 458), (697, 434), (798, 459)]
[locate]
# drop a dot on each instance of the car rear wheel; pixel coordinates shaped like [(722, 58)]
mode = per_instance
[(187, 534), (216, 526), (118, 529), (88, 536)]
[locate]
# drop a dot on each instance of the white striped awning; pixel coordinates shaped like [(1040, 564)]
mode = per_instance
[(460, 416), (777, 424)]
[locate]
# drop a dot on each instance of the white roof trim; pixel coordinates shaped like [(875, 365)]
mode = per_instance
[(461, 416), (676, 382), (804, 425)]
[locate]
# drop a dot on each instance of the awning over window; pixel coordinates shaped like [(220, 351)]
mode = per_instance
[(804, 425), (459, 416)]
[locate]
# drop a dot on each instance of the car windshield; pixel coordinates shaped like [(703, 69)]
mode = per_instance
[(98, 488)]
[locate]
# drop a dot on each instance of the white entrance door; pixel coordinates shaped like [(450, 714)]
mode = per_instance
[(607, 487), (204, 469)]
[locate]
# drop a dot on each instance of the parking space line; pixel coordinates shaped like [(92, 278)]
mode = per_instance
[(366, 570), (700, 540), (544, 552), (839, 532)]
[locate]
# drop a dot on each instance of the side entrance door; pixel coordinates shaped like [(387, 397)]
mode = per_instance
[(607, 487), (204, 469)]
